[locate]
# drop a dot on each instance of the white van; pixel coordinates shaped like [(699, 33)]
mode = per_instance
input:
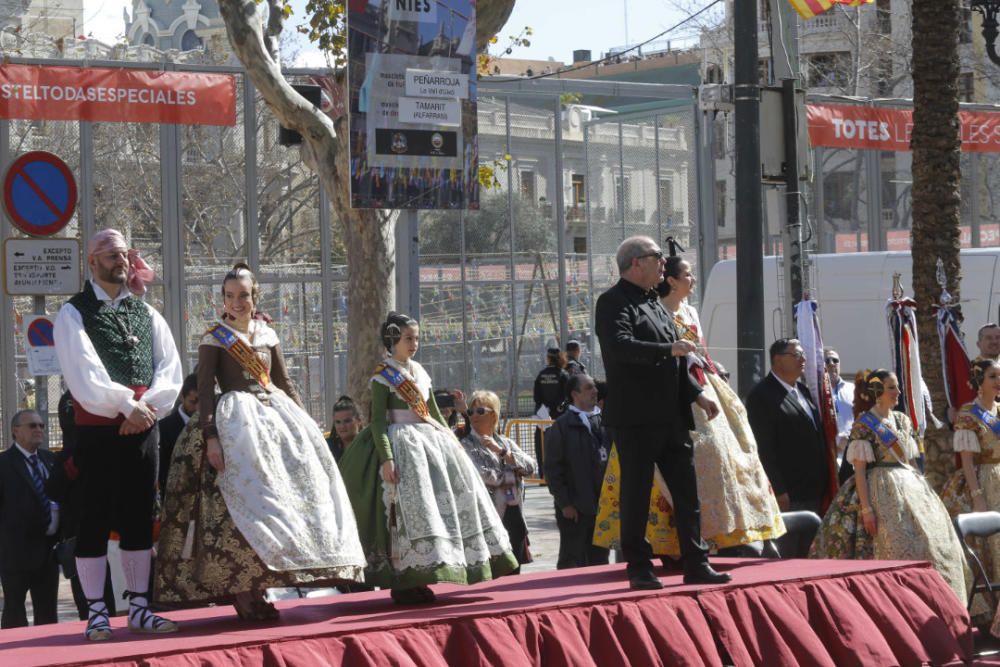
[(852, 290)]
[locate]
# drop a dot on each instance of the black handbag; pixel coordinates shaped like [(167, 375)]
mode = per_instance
[(65, 552)]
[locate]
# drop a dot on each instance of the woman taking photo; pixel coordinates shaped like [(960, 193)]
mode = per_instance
[(268, 509), (503, 466), (889, 512)]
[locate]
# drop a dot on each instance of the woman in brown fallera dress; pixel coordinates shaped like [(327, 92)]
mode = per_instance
[(254, 498)]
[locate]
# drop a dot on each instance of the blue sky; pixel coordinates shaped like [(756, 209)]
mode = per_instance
[(560, 26)]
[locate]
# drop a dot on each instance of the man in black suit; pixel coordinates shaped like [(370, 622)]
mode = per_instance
[(172, 425), (576, 454), (648, 411), (28, 524), (786, 425)]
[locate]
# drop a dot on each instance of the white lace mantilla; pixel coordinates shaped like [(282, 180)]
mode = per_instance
[(411, 371), (282, 486), (444, 514)]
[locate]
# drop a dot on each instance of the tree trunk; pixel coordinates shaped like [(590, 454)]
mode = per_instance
[(936, 145)]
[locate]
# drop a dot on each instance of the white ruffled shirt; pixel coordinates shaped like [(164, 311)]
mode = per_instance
[(966, 440), (88, 380)]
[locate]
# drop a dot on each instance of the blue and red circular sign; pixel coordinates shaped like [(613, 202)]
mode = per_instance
[(40, 333), (39, 192)]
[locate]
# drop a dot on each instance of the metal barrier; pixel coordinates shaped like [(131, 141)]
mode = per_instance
[(522, 432)]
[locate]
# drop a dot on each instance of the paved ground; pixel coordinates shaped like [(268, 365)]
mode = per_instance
[(539, 515)]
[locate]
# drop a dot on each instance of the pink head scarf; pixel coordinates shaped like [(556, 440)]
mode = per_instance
[(111, 240)]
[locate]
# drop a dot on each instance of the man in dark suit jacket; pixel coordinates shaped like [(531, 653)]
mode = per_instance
[(648, 410), (576, 454), (785, 423), (172, 425), (29, 521)]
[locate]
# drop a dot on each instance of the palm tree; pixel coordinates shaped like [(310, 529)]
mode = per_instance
[(936, 145)]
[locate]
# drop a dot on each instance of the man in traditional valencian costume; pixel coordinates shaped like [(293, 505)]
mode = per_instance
[(121, 366)]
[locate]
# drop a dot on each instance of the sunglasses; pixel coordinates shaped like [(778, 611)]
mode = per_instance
[(832, 360), (32, 425), (797, 355), (658, 255), (479, 411)]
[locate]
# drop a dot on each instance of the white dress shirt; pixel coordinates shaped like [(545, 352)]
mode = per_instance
[(584, 415), (87, 378), (843, 401), (794, 391)]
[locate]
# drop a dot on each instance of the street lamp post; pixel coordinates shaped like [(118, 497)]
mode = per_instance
[(989, 9)]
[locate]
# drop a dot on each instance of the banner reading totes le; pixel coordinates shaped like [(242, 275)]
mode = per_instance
[(37, 92), (889, 129)]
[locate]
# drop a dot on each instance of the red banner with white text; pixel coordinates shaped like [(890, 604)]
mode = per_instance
[(41, 92), (888, 129)]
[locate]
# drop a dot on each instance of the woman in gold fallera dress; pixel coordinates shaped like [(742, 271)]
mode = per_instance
[(975, 486), (737, 504), (254, 498), (887, 511)]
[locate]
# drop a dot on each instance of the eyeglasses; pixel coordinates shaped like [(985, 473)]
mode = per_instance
[(797, 355), (479, 411), (32, 425), (658, 255), (832, 360)]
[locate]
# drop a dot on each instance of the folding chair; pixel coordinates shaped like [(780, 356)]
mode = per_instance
[(801, 527), (981, 525)]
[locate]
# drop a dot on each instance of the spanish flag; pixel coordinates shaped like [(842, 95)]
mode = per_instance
[(808, 9)]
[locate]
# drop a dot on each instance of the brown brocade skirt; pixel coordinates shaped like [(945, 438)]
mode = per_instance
[(201, 556)]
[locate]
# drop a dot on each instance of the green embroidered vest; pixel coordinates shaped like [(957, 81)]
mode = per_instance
[(109, 331)]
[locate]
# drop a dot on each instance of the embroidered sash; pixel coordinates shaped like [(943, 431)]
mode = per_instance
[(988, 419), (408, 390), (885, 435), (689, 334), (241, 351)]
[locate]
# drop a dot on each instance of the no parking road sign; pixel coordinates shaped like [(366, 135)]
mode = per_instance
[(40, 344), (39, 192)]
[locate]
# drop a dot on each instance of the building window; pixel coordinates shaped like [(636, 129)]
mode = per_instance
[(966, 87), (579, 190), (720, 203), (623, 192), (190, 41), (964, 22), (829, 70), (764, 71), (666, 194), (580, 245), (528, 186), (713, 74), (883, 9)]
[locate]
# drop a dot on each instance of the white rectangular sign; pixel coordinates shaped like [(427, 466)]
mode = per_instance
[(421, 11), (446, 113), (41, 266), (436, 83)]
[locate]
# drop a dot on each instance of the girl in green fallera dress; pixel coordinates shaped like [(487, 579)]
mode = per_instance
[(424, 514)]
